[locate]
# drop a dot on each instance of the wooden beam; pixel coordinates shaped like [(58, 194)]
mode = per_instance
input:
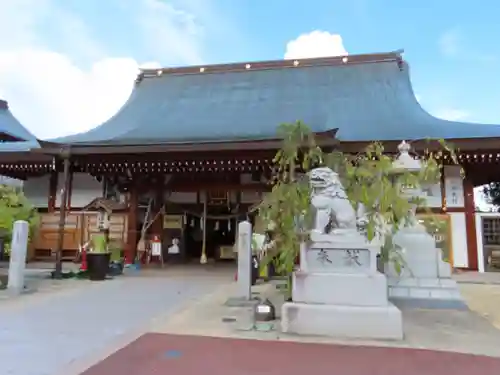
[(213, 186), (24, 157), (324, 139)]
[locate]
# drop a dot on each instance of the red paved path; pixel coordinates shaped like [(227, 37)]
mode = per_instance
[(189, 355)]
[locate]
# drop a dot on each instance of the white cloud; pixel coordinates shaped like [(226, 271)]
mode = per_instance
[(449, 43), (56, 97), (171, 31), (442, 111), (315, 44), (451, 114), (76, 86)]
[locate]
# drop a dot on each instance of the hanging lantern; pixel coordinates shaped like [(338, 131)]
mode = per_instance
[(217, 225), (192, 223), (202, 226), (229, 225)]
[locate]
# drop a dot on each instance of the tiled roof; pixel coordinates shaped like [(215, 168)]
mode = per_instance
[(9, 125), (365, 98)]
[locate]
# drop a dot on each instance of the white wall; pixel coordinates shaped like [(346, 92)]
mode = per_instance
[(85, 189), (459, 239), (251, 197), (182, 197), (37, 190)]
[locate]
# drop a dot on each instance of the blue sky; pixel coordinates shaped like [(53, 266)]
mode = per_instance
[(73, 61)]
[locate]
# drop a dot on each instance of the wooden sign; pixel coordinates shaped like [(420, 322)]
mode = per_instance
[(173, 221), (218, 197)]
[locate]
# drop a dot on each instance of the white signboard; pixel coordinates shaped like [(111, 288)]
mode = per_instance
[(156, 249), (454, 186), (174, 248)]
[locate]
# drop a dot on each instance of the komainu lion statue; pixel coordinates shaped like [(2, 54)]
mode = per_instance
[(334, 212)]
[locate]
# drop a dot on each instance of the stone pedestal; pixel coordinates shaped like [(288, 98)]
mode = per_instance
[(244, 275), (338, 292), (424, 275), (17, 265)]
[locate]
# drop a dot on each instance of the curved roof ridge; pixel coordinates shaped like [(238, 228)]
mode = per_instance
[(366, 100), (424, 124), (81, 136), (10, 125), (273, 64), (450, 123)]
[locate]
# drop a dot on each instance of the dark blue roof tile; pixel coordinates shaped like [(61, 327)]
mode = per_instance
[(365, 101), (11, 126)]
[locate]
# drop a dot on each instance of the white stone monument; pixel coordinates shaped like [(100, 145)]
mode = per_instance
[(245, 260), (17, 265), (424, 275), (338, 290)]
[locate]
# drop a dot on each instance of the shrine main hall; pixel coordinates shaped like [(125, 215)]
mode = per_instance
[(190, 152)]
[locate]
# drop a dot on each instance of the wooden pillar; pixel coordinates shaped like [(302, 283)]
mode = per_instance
[(203, 258), (470, 225), (62, 216), (70, 191), (157, 225), (132, 235), (54, 177)]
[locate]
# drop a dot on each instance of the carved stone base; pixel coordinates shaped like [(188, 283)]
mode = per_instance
[(381, 322), (340, 289), (421, 257), (425, 276), (422, 288)]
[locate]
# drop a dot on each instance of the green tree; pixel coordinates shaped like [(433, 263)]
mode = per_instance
[(491, 193), (367, 177), (14, 206)]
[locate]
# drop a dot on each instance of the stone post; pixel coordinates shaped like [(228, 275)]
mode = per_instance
[(244, 260), (17, 265)]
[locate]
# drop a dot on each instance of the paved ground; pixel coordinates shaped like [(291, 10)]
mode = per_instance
[(43, 333), (175, 349), (67, 326), (457, 331), (190, 355), (467, 277)]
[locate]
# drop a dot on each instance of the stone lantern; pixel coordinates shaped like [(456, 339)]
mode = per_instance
[(425, 276), (405, 163)]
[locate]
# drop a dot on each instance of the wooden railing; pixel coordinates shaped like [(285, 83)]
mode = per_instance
[(78, 229)]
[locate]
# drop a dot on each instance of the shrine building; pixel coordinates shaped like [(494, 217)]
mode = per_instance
[(190, 153)]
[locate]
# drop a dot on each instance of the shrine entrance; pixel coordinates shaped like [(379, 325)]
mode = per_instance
[(204, 227), (219, 234)]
